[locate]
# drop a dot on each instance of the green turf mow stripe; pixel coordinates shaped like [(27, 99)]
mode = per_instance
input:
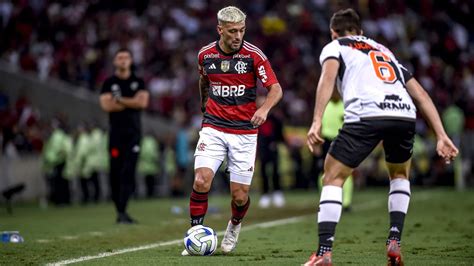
[(178, 241), (360, 207)]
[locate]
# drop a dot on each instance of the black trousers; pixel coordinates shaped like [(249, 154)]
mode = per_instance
[(269, 158), (86, 184), (124, 153), (60, 193)]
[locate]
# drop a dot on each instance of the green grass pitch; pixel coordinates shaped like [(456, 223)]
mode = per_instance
[(439, 230)]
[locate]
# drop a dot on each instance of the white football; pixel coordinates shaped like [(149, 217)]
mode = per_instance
[(200, 240)]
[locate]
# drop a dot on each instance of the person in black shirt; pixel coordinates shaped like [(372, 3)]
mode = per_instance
[(123, 96)]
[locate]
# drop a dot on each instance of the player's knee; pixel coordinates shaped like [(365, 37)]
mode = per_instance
[(201, 182), (240, 197), (398, 170), (333, 180)]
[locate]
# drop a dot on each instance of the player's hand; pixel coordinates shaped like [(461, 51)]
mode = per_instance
[(259, 117), (314, 137), (446, 149)]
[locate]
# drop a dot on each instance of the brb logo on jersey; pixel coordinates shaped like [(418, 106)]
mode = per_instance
[(262, 73), (228, 91)]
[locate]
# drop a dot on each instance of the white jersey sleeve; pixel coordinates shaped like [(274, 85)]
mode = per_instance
[(331, 50)]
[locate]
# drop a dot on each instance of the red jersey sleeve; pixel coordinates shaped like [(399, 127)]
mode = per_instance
[(202, 72), (264, 70)]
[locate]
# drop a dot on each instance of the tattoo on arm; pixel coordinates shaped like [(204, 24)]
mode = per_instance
[(204, 92)]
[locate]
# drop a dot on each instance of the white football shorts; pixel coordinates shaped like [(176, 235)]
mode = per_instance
[(240, 149)]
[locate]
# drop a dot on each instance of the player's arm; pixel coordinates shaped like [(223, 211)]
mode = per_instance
[(203, 91), (139, 101), (445, 146), (324, 93), (275, 93), (108, 103)]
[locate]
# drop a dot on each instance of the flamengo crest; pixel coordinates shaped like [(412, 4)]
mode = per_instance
[(241, 67)]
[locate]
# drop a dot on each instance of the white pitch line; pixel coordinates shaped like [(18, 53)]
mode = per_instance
[(176, 241), (69, 237), (292, 220), (95, 233)]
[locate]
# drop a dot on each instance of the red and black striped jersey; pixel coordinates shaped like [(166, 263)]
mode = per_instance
[(233, 85)]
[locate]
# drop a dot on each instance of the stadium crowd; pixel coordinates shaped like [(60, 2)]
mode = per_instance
[(75, 41)]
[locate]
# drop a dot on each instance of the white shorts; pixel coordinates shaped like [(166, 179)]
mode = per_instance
[(239, 149)]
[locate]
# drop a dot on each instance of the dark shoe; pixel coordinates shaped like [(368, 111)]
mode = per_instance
[(124, 218)]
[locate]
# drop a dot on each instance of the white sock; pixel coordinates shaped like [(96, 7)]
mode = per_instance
[(398, 201), (330, 208), (399, 196), (330, 204)]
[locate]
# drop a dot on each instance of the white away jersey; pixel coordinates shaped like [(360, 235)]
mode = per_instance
[(370, 80)]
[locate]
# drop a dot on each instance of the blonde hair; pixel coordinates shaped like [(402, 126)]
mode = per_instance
[(230, 14)]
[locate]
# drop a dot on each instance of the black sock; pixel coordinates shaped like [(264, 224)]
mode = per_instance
[(326, 236), (397, 220)]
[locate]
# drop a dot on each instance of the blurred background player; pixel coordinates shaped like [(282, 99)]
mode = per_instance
[(270, 135), (229, 69), (123, 96), (379, 95), (333, 119)]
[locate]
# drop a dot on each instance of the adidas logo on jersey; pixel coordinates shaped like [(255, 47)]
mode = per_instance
[(212, 66)]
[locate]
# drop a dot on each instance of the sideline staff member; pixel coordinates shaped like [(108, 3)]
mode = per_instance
[(123, 96)]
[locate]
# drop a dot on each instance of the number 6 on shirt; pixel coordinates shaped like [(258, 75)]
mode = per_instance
[(382, 66)]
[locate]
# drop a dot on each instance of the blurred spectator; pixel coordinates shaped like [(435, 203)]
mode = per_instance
[(75, 41), (453, 120), (182, 157), (89, 161), (55, 155), (148, 164), (270, 135)]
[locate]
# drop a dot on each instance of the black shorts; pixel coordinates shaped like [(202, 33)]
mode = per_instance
[(357, 140)]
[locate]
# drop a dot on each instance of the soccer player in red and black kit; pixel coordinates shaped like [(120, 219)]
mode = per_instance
[(229, 69), (123, 96)]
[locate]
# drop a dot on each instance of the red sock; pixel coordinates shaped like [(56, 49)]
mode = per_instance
[(238, 212), (198, 207)]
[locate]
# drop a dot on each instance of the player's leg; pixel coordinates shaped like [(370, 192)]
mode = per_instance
[(240, 203), (353, 144), (330, 209), (398, 202), (325, 149), (209, 154), (208, 157), (398, 146), (203, 177), (330, 204), (241, 160)]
